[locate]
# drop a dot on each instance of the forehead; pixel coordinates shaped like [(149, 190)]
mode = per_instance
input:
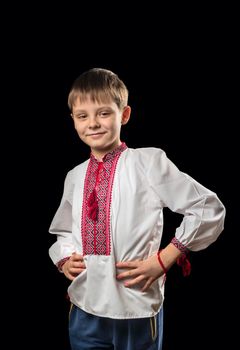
[(94, 96), (89, 103)]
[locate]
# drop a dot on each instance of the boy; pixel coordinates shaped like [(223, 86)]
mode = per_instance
[(109, 224)]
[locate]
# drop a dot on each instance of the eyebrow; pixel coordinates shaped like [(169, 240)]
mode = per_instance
[(97, 110)]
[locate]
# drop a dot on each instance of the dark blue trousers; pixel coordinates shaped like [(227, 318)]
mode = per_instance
[(87, 331)]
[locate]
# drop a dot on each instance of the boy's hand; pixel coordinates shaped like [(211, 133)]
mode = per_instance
[(73, 266), (148, 270), (140, 271)]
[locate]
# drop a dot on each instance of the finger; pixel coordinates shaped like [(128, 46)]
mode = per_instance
[(127, 274), (147, 284), (69, 276), (75, 270), (130, 264), (77, 257), (131, 283), (78, 264), (73, 274)]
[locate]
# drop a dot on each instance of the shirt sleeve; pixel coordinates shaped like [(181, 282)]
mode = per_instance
[(61, 224), (203, 212)]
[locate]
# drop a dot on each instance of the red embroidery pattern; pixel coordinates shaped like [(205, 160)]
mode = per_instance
[(96, 203), (179, 245)]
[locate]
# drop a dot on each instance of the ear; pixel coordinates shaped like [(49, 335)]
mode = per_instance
[(126, 115), (71, 115)]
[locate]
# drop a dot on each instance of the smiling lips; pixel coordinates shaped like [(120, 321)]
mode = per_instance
[(96, 134)]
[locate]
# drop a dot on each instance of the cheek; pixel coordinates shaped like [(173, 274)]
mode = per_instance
[(78, 128), (115, 127)]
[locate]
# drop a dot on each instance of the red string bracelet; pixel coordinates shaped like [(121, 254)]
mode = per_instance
[(162, 266)]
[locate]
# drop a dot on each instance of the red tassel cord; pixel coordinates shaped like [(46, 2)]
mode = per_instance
[(93, 205), (92, 200), (185, 265)]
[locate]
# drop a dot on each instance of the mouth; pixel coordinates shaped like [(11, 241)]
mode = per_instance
[(96, 134)]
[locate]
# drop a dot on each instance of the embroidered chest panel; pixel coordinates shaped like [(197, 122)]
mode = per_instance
[(97, 196)]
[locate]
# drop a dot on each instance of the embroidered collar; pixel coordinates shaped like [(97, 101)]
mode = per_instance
[(111, 155)]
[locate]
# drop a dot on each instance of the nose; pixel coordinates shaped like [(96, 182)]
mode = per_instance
[(93, 122)]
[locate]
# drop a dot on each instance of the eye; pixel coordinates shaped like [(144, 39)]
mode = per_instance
[(80, 116), (104, 114)]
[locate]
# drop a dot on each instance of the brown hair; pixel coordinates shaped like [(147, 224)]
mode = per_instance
[(100, 85)]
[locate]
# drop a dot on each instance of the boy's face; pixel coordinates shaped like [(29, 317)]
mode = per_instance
[(99, 124)]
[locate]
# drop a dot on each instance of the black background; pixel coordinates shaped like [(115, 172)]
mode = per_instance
[(181, 80)]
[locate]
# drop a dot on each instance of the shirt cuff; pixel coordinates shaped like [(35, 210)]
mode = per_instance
[(184, 250), (61, 263), (182, 261)]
